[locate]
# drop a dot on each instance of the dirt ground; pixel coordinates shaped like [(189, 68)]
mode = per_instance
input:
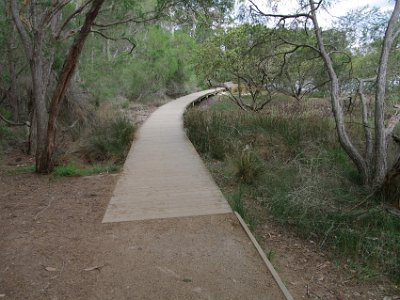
[(310, 273), (53, 246)]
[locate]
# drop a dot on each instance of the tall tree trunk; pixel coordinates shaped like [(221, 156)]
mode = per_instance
[(32, 143), (46, 163), (337, 109), (380, 166), (12, 69), (39, 95)]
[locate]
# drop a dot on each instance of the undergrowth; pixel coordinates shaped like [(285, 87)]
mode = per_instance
[(73, 170), (110, 140), (292, 164)]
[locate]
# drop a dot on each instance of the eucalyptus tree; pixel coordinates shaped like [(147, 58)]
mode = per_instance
[(11, 65), (372, 160), (243, 54), (299, 71), (53, 33)]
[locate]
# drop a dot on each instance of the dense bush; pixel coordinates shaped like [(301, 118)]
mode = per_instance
[(110, 140)]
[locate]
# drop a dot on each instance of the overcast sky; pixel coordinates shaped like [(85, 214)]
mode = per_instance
[(342, 7), (339, 8)]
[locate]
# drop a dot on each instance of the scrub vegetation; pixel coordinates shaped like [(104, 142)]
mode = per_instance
[(306, 130), (288, 162)]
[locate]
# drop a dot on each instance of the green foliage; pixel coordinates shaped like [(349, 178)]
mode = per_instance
[(158, 66), (66, 170), (110, 140), (125, 104), (238, 204), (255, 57), (306, 182), (6, 135), (363, 27)]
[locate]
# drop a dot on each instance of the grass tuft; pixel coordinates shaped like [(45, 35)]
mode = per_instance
[(237, 204), (246, 166)]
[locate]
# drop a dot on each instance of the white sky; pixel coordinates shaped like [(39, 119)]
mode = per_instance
[(339, 8), (342, 7)]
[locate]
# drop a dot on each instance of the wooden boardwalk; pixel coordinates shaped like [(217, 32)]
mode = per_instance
[(163, 175), (186, 243)]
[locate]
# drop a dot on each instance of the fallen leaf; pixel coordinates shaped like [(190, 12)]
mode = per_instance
[(93, 268)]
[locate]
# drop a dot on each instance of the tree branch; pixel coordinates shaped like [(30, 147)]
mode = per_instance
[(72, 16), (10, 123), (26, 41), (282, 17), (392, 123), (115, 39)]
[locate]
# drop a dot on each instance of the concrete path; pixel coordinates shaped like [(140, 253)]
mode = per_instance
[(163, 175)]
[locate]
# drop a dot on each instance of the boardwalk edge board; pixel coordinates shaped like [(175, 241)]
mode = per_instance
[(269, 265)]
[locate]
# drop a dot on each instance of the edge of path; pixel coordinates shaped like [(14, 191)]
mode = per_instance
[(243, 224)]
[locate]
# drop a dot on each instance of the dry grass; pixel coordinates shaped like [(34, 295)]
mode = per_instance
[(307, 181)]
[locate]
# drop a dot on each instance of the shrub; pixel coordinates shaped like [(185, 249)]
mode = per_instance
[(110, 140)]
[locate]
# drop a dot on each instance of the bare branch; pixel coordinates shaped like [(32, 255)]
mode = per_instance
[(10, 123), (116, 39), (129, 20), (72, 16), (280, 16), (298, 46), (26, 41), (51, 12)]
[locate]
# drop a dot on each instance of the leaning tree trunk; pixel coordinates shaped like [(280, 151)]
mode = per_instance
[(46, 164), (381, 134), (337, 109)]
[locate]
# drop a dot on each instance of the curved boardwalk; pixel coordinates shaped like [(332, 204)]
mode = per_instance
[(163, 175), (185, 242)]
